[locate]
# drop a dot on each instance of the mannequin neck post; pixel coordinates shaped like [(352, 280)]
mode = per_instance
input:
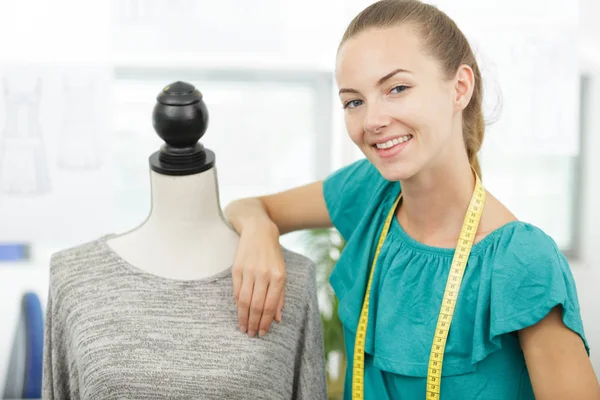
[(185, 200)]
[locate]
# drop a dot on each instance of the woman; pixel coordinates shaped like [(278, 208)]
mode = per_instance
[(412, 93)]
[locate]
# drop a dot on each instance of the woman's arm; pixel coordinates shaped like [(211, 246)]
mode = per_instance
[(259, 269), (559, 367)]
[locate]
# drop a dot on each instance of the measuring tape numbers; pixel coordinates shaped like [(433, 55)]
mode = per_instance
[(457, 269)]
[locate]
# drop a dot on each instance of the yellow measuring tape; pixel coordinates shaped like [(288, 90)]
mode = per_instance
[(457, 269)]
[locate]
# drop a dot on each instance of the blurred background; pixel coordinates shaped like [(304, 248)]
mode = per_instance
[(78, 80)]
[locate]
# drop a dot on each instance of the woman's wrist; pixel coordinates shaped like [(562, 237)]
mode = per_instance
[(249, 215), (261, 224)]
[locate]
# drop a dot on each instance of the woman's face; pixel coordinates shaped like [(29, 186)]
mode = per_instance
[(399, 108)]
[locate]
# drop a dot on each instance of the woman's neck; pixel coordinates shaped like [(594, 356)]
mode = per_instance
[(435, 201)]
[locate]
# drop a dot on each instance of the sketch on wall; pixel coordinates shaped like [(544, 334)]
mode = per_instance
[(79, 145), (54, 122), (23, 156)]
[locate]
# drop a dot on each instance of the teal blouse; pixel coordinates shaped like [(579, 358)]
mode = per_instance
[(513, 278)]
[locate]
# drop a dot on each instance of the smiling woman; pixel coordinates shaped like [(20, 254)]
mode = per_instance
[(441, 289), (415, 95)]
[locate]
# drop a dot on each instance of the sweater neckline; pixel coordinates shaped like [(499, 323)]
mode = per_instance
[(137, 271)]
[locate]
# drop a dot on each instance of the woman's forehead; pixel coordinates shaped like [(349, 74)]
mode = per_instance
[(375, 52)]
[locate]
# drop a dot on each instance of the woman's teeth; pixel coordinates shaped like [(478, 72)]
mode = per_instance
[(393, 142)]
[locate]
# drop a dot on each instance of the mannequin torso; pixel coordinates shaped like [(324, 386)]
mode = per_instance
[(185, 237)]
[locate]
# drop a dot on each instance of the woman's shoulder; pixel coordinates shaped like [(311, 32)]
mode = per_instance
[(525, 275), (522, 275), (514, 238), (525, 269), (517, 241), (353, 191), (523, 247)]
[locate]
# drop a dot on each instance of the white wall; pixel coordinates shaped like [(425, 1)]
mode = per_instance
[(590, 49), (588, 271)]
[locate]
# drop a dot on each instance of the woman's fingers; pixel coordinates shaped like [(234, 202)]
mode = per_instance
[(257, 305), (244, 300), (275, 291)]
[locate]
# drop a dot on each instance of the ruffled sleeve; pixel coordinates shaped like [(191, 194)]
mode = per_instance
[(529, 277), (349, 192)]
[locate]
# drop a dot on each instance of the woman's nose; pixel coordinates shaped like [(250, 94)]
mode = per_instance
[(376, 119)]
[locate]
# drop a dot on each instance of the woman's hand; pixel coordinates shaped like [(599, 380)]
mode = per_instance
[(259, 274), (259, 277)]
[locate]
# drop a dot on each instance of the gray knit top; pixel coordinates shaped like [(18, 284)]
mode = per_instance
[(114, 331)]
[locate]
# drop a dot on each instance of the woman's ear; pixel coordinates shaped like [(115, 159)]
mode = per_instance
[(464, 85)]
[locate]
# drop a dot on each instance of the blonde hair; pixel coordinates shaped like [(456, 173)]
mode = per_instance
[(445, 42)]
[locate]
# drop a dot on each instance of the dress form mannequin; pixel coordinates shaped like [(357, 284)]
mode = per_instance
[(150, 314), (185, 236)]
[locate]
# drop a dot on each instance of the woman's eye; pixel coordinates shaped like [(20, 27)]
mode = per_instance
[(399, 88), (352, 104)]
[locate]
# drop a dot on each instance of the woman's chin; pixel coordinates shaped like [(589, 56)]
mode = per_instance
[(399, 171), (392, 167)]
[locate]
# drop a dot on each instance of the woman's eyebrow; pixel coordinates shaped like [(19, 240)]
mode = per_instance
[(379, 82)]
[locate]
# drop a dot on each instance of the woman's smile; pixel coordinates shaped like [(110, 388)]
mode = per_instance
[(388, 148)]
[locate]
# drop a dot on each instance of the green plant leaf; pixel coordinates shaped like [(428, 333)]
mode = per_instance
[(324, 247)]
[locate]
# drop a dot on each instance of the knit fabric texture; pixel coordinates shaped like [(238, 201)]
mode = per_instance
[(114, 331)]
